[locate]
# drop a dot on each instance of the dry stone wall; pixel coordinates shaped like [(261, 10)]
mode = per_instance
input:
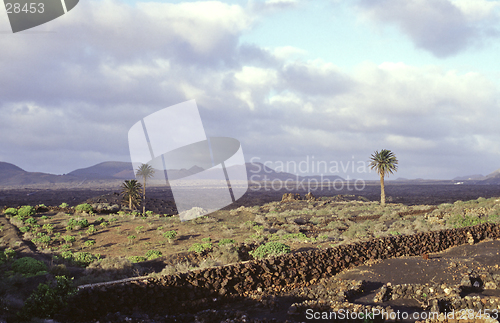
[(213, 286)]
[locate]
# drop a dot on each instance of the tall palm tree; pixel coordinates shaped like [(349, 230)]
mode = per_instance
[(131, 191), (385, 163), (145, 171)]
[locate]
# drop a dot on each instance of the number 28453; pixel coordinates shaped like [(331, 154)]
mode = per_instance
[(32, 8)]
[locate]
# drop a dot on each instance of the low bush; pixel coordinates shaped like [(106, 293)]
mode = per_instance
[(10, 211), (69, 238), (72, 223), (25, 211), (170, 235), (153, 254), (48, 299), (270, 249), (9, 253), (135, 259), (31, 221), (89, 243), (200, 247), (225, 242), (28, 266), (64, 205), (91, 229), (84, 207)]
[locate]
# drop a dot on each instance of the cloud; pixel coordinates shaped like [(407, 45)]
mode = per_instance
[(272, 6), (69, 97), (441, 27)]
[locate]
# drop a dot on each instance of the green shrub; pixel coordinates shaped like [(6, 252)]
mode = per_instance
[(135, 259), (24, 229), (153, 254), (85, 258), (44, 217), (28, 266), (200, 247), (139, 229), (10, 211), (64, 205), (460, 221), (91, 229), (89, 243), (31, 221), (42, 239), (80, 223), (47, 299), (9, 253), (48, 227), (208, 239), (68, 238), (272, 248), (131, 238), (170, 235), (100, 219), (26, 211), (149, 213), (84, 207), (225, 242)]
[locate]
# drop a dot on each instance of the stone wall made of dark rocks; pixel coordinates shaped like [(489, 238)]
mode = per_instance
[(213, 286)]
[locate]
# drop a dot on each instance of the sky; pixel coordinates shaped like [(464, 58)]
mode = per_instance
[(297, 82)]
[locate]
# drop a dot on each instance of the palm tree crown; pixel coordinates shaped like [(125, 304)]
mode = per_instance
[(385, 163), (145, 171), (131, 192)]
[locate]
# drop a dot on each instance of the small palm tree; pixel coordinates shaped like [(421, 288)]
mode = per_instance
[(385, 163), (131, 191), (145, 171)]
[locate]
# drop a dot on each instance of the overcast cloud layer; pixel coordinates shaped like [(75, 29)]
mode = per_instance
[(69, 96)]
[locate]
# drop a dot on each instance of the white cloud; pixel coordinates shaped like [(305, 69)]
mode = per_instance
[(477, 10), (442, 27)]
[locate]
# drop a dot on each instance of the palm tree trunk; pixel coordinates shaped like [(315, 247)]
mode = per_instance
[(382, 190), (144, 198), (130, 202)]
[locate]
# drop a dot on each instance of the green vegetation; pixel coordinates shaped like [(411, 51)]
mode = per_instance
[(145, 171), (272, 248), (25, 211), (223, 242), (10, 211), (92, 229), (131, 238), (74, 223), (385, 163), (200, 247), (48, 299), (84, 207), (69, 238), (64, 205), (131, 192), (28, 266), (135, 259), (89, 243), (153, 254), (82, 259), (170, 235)]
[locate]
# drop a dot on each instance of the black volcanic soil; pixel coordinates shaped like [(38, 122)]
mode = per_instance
[(160, 199)]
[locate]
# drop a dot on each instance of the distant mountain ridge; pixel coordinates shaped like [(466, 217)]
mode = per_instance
[(11, 174)]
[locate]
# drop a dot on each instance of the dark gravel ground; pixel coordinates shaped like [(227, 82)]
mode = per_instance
[(160, 199)]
